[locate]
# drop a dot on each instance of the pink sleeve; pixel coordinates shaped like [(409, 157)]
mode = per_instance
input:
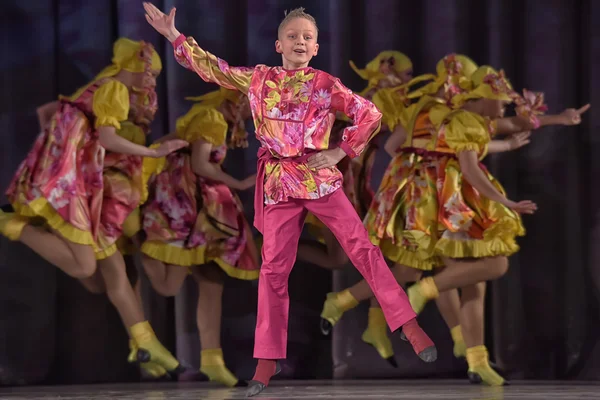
[(209, 67), (366, 117)]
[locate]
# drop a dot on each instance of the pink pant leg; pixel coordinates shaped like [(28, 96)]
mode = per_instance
[(283, 224), (337, 213)]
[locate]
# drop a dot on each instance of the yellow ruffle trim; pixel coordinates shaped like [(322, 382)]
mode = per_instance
[(107, 252), (406, 257), (41, 208), (499, 240), (193, 257)]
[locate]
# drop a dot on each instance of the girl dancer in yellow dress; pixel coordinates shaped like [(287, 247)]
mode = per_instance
[(392, 101), (388, 69), (193, 219), (83, 178)]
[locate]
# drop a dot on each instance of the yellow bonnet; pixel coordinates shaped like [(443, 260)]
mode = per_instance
[(453, 70), (487, 84), (371, 72), (214, 99), (132, 56), (128, 55)]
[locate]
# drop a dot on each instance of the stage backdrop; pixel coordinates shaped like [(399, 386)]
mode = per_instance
[(544, 313)]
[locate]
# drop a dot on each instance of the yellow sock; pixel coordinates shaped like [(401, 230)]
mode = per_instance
[(479, 364), (213, 366), (146, 340), (11, 225), (376, 333), (460, 348), (420, 293), (336, 305)]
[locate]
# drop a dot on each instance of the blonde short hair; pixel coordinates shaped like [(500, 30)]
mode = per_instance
[(296, 13)]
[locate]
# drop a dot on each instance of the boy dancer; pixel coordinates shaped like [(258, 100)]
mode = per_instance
[(294, 108)]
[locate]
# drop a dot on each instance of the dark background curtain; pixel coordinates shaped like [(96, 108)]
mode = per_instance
[(543, 315)]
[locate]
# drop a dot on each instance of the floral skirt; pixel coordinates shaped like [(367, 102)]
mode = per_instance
[(68, 183), (424, 210), (192, 221)]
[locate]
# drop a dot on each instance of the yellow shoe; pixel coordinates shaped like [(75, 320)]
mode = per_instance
[(335, 306), (151, 350), (480, 370), (421, 292), (460, 348), (376, 336), (213, 366), (11, 225), (153, 370)]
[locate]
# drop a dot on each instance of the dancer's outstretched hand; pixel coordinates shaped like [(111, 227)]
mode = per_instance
[(168, 147), (163, 23), (572, 116), (326, 158), (518, 140), (522, 207), (248, 182)]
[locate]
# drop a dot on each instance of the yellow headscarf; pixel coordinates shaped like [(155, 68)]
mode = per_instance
[(454, 70), (371, 72), (487, 84), (239, 136), (132, 56), (128, 55)]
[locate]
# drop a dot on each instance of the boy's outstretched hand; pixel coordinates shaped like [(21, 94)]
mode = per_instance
[(163, 23)]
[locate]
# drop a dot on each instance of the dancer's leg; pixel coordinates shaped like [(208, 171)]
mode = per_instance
[(166, 279), (332, 257), (210, 281), (472, 321), (337, 213), (282, 228), (457, 274), (122, 296)]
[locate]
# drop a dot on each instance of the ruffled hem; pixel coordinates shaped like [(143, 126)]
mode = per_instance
[(498, 240), (107, 252), (401, 255), (193, 257), (41, 208), (453, 248)]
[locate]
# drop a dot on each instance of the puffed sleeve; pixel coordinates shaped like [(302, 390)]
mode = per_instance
[(204, 123), (392, 105), (466, 131), (111, 104)]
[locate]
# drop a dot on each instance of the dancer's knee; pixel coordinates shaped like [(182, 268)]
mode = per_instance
[(85, 261), (499, 266), (404, 274)]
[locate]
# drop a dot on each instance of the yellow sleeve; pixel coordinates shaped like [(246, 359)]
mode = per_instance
[(203, 123), (111, 104), (466, 131), (392, 107)]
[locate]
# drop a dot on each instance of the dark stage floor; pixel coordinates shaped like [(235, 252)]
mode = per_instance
[(421, 390)]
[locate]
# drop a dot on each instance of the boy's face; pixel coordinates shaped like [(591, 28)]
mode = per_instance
[(297, 43)]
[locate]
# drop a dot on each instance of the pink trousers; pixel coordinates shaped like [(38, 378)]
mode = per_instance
[(283, 224)]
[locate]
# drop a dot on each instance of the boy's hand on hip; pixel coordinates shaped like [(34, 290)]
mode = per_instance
[(325, 158)]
